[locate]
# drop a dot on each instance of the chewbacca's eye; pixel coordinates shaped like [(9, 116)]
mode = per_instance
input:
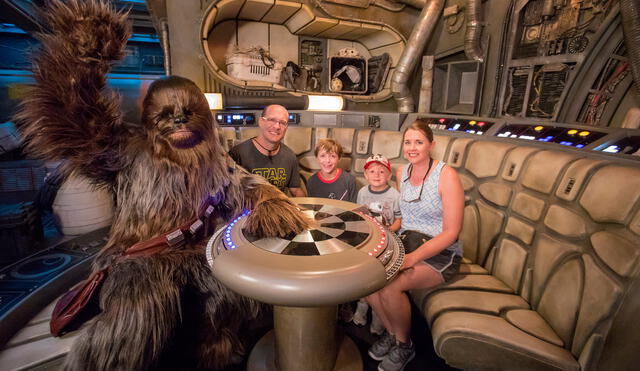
[(187, 112)]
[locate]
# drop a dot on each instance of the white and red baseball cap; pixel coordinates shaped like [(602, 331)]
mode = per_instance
[(377, 158)]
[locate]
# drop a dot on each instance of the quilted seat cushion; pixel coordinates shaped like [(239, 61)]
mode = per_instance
[(471, 340)]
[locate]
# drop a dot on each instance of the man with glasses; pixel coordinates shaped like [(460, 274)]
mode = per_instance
[(266, 155)]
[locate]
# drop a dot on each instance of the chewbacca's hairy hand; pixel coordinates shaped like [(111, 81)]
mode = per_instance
[(90, 30), (276, 217)]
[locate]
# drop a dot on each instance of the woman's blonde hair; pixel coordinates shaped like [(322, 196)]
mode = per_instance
[(329, 145)]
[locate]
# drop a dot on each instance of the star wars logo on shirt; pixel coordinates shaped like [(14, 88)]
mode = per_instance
[(275, 176)]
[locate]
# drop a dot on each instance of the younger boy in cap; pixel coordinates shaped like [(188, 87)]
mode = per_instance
[(383, 204)]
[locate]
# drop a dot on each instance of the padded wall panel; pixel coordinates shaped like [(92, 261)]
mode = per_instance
[(635, 223), (466, 181), (301, 18), (515, 162), (228, 9), (281, 11), (248, 133), (518, 228), (528, 206), (321, 133), (611, 193), (498, 193), (509, 263), (358, 165), (255, 9), (560, 299), (298, 139), (362, 141), (387, 143), (338, 30), (491, 221), (317, 26), (532, 323), (574, 178), (543, 169), (620, 254), (484, 158), (344, 136), (600, 296), (457, 152), (565, 222), (548, 253), (469, 233), (439, 150), (309, 163), (228, 136)]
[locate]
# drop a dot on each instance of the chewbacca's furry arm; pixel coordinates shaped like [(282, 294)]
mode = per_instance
[(272, 213), (68, 115)]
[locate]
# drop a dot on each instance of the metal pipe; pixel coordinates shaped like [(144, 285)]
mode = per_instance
[(412, 52), (165, 47), (630, 11), (472, 47)]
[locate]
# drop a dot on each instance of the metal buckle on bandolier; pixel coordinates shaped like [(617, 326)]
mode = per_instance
[(175, 238)]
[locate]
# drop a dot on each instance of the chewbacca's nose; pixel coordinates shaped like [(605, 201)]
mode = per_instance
[(180, 120)]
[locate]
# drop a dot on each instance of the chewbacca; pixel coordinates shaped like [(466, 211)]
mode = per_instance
[(165, 310)]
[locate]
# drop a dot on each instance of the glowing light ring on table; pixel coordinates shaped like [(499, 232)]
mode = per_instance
[(345, 255)]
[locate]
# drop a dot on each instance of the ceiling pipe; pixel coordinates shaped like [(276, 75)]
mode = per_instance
[(412, 54), (630, 11), (472, 47)]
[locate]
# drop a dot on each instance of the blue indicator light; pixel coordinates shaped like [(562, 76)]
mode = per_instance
[(565, 143), (579, 145)]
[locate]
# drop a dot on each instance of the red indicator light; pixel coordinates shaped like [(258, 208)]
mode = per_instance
[(442, 121), (481, 123)]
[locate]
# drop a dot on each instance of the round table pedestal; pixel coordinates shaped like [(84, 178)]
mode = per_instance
[(305, 338)]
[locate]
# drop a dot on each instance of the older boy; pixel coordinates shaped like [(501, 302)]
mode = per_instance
[(330, 181)]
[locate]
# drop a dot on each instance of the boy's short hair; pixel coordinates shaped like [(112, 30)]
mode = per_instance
[(377, 159), (329, 145)]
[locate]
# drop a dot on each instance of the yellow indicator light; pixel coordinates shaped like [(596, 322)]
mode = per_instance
[(583, 133), (572, 131), (538, 128), (472, 122)]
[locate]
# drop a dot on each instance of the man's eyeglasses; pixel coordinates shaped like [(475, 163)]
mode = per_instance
[(421, 186), (273, 121)]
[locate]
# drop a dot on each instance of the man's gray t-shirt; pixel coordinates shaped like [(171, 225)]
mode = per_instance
[(281, 169), (383, 205)]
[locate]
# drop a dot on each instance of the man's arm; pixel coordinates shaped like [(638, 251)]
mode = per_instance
[(297, 192)]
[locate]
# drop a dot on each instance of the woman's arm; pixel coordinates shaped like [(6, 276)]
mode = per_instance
[(452, 194)]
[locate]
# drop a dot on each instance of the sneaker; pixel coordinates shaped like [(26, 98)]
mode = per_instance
[(381, 348), (397, 358), (376, 325), (360, 317)]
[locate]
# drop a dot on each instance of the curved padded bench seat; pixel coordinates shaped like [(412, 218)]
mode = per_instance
[(287, 20), (490, 342), (551, 240)]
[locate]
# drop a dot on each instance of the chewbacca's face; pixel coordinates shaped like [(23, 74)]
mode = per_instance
[(176, 113)]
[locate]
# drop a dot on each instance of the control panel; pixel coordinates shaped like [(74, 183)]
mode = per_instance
[(235, 118), (629, 145), (566, 136), (470, 126)]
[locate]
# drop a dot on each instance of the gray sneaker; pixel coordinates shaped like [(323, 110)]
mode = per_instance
[(397, 358), (381, 348)]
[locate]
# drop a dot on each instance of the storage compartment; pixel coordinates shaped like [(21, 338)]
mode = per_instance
[(254, 64), (348, 75)]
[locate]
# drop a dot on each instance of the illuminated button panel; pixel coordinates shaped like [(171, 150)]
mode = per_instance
[(627, 146), (478, 127), (235, 118), (571, 137)]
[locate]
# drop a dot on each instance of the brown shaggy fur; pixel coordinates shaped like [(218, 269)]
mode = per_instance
[(164, 311)]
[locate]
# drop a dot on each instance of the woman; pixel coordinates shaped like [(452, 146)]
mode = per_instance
[(431, 202)]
